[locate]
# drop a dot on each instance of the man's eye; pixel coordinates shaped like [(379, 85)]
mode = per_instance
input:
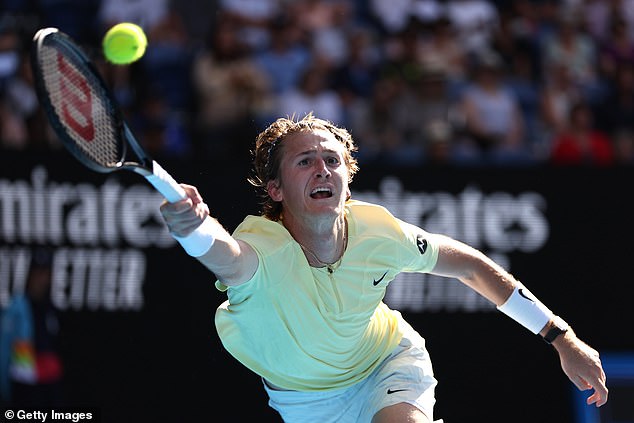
[(303, 162), (332, 160)]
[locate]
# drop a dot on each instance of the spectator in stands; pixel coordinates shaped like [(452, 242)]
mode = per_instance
[(524, 24), (355, 78), (493, 119), (286, 58), (422, 117), (523, 81), (571, 47), (616, 112), (13, 132), (145, 13), (252, 19), (314, 94), (442, 51), (325, 25), (10, 51), (475, 23), (19, 123), (372, 121), (600, 14), (77, 18), (616, 49), (597, 15), (558, 93), (196, 15), (31, 368), (581, 143), (167, 62), (161, 129), (402, 54), (392, 17), (231, 93), (517, 32)]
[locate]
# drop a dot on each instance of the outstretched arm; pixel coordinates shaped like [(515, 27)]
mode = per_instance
[(579, 361), (231, 260)]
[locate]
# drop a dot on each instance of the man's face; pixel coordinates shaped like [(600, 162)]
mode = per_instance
[(313, 177)]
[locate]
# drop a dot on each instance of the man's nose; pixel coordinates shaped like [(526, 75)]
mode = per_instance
[(321, 169)]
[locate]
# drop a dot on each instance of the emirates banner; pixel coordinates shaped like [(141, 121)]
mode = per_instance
[(136, 313)]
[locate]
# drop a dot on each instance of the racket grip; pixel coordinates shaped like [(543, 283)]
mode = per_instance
[(165, 184)]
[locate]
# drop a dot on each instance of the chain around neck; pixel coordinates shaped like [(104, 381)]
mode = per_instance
[(319, 261)]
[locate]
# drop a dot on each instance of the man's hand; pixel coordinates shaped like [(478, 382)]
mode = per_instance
[(582, 365), (183, 217)]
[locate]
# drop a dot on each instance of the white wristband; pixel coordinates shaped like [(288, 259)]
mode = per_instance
[(200, 240), (524, 308)]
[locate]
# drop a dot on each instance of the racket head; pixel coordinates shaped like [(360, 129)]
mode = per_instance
[(77, 102)]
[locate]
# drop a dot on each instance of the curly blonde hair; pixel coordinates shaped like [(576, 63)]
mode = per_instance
[(267, 154)]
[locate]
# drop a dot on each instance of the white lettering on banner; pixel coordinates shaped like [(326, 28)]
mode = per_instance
[(98, 279), (82, 214), (93, 279), (498, 223), (97, 219), (14, 266)]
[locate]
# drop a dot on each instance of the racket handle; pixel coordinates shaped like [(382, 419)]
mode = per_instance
[(165, 184)]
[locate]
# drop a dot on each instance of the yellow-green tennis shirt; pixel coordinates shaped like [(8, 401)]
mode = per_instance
[(306, 329)]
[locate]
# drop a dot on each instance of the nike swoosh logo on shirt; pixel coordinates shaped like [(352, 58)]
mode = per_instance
[(391, 391), (375, 282)]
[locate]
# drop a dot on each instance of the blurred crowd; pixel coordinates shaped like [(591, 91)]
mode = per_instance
[(417, 82)]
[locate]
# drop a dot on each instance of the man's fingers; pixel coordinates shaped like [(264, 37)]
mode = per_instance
[(192, 192), (600, 395), (177, 207), (597, 399), (581, 383)]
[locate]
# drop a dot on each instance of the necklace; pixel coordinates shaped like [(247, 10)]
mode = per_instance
[(321, 263)]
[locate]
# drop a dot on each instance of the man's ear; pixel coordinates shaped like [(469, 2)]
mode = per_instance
[(274, 190)]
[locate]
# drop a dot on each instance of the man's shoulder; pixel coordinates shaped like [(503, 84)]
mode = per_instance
[(261, 225), (372, 218), (365, 210)]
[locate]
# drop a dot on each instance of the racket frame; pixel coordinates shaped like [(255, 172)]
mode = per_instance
[(147, 167)]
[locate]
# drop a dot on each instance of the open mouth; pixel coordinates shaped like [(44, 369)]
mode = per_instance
[(321, 192)]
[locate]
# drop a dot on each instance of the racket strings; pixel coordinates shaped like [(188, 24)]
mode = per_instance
[(81, 107)]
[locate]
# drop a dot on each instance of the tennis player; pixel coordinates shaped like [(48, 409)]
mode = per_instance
[(305, 283)]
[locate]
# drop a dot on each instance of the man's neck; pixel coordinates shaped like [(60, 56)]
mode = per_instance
[(324, 239)]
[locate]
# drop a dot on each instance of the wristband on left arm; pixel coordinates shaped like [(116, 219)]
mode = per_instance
[(523, 307)]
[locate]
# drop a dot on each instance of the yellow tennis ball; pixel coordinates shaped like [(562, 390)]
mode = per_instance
[(124, 43)]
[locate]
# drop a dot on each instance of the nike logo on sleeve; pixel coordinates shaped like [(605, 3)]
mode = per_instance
[(376, 282), (393, 391)]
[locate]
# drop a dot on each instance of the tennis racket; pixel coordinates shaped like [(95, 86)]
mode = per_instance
[(84, 114)]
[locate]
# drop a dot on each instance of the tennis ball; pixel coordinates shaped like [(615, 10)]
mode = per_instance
[(124, 43)]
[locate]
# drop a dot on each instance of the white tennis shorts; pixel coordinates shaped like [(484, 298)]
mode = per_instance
[(405, 376)]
